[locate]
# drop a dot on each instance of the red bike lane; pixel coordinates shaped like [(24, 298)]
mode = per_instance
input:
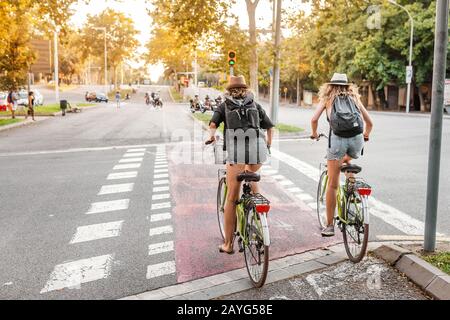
[(293, 225)]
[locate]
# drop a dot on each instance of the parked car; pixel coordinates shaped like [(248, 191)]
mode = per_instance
[(101, 97), (3, 101), (23, 98), (91, 96)]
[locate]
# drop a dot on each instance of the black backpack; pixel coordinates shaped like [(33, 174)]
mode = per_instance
[(242, 116), (345, 119)]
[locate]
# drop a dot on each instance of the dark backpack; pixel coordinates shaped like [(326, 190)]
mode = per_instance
[(242, 116), (345, 119), (10, 99)]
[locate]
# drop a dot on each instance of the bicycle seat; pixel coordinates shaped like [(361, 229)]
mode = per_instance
[(249, 177), (351, 168)]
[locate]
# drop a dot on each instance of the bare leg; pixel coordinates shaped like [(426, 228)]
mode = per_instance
[(254, 168), (333, 185)]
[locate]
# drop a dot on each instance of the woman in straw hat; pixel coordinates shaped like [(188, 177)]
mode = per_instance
[(245, 142), (340, 149)]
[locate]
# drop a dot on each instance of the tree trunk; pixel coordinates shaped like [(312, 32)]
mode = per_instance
[(423, 107), (375, 97), (251, 10)]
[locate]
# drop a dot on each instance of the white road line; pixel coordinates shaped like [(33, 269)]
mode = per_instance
[(158, 248), (160, 230), (390, 215), (163, 205), (304, 197), (160, 217), (129, 160), (127, 166), (160, 182), (161, 170), (295, 190), (161, 189), (161, 196), (107, 206), (269, 172), (162, 175), (122, 175), (73, 274), (97, 231), (160, 269), (279, 177), (157, 163), (286, 183), (159, 166), (131, 155), (116, 188), (136, 150)]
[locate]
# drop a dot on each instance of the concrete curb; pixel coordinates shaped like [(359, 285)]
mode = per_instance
[(22, 124), (432, 280), (235, 281)]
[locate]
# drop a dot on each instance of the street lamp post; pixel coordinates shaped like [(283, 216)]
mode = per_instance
[(56, 63), (409, 72), (106, 59)]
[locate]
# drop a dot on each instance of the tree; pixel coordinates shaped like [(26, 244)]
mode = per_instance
[(120, 38), (251, 10)]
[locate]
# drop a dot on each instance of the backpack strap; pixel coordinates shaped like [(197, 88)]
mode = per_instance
[(329, 139)]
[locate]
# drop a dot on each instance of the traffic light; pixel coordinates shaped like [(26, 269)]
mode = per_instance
[(231, 58)]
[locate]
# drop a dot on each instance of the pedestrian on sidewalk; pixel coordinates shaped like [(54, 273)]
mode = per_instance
[(30, 106), (11, 104), (339, 99), (15, 100), (118, 99)]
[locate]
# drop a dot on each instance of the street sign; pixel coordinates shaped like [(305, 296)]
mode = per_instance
[(409, 74), (447, 93)]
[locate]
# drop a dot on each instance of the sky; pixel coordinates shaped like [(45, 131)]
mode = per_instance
[(137, 10)]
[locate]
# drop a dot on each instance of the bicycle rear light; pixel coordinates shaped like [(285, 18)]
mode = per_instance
[(263, 208), (365, 191)]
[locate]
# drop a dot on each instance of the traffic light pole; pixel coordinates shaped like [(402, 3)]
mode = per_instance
[(231, 71), (276, 67), (437, 113)]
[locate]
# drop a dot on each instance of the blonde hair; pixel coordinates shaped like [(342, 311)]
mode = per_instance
[(328, 92), (238, 93)]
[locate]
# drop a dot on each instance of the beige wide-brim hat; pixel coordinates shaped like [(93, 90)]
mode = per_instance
[(237, 82), (339, 79)]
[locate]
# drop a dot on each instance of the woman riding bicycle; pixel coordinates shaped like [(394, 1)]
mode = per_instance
[(245, 142), (346, 141)]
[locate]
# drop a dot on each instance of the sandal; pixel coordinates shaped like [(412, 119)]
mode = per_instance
[(227, 252)]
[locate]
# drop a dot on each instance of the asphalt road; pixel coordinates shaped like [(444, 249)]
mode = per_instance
[(113, 202)]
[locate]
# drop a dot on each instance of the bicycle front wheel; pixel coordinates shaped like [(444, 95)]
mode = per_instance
[(322, 200), (221, 197), (356, 231), (256, 248)]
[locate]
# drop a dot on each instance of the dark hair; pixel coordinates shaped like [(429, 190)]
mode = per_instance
[(30, 93)]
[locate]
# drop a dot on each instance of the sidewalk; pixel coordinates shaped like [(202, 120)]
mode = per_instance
[(23, 123), (323, 274)]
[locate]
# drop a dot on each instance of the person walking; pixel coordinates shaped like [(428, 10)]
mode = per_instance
[(350, 127), (11, 104), (30, 106), (15, 101), (118, 99)]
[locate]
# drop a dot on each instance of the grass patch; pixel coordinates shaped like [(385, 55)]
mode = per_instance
[(177, 97), (46, 110), (5, 122), (440, 260), (205, 118), (285, 128), (84, 105)]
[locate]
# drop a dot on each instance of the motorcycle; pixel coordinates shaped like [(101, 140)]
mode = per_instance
[(157, 103), (197, 107)]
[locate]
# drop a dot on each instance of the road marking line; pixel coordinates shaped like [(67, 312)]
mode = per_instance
[(160, 166), (160, 230), (390, 215), (161, 196), (129, 160), (97, 231), (279, 177), (286, 183), (116, 188), (161, 189), (269, 172), (161, 269), (304, 197), (162, 247), (295, 190), (131, 155), (107, 206), (160, 217), (160, 163), (159, 182), (122, 175), (161, 170), (136, 150), (127, 166), (162, 175), (163, 205), (73, 274)]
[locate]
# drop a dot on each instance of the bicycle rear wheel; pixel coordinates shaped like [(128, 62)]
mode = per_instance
[(221, 197), (356, 232), (322, 200), (256, 251)]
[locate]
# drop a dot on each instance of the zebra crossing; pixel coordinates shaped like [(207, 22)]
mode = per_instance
[(120, 184)]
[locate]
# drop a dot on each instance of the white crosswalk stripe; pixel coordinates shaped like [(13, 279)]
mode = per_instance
[(162, 247), (160, 217), (161, 196), (127, 166), (134, 155), (116, 188), (107, 206), (160, 269), (160, 182), (130, 160), (163, 205), (160, 230), (122, 175), (160, 189), (136, 150), (160, 176), (97, 231)]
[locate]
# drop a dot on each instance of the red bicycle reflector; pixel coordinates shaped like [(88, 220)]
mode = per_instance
[(365, 191), (262, 208)]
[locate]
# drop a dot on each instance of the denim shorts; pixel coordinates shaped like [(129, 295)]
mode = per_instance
[(345, 146)]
